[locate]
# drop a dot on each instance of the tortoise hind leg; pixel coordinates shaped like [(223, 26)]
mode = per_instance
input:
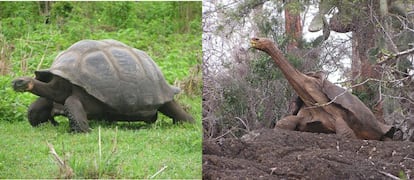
[(76, 114), (343, 130), (152, 119), (40, 111), (173, 110), (57, 110)]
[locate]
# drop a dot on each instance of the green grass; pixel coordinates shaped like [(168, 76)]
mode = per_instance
[(128, 150)]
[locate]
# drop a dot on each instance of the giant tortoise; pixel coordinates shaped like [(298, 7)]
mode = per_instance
[(323, 106), (101, 79)]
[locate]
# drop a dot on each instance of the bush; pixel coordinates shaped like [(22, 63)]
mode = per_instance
[(13, 105), (235, 103)]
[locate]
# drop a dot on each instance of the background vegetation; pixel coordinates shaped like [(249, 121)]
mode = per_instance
[(33, 33)]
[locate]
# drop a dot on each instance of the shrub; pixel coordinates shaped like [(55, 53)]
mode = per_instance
[(13, 105)]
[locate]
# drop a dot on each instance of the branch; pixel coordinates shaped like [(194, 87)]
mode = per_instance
[(244, 123), (99, 143), (389, 175), (400, 98), (43, 57), (64, 168), (389, 57), (392, 44), (316, 105), (158, 172), (406, 157)]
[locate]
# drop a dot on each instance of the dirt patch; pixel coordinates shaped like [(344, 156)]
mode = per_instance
[(281, 154)]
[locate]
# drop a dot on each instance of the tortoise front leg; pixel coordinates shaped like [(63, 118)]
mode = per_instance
[(176, 112), (289, 122), (40, 112), (76, 114)]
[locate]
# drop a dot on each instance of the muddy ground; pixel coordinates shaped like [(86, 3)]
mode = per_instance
[(281, 154)]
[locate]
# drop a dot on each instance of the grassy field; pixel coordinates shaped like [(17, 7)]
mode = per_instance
[(30, 39), (121, 150)]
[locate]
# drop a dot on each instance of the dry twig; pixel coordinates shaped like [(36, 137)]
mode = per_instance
[(389, 175), (99, 143), (64, 168), (244, 123), (158, 172)]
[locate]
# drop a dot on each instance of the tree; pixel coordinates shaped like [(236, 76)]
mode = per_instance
[(293, 24)]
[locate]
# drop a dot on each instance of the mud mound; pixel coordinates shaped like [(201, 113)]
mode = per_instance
[(280, 154)]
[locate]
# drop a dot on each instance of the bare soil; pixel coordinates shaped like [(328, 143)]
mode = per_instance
[(281, 154)]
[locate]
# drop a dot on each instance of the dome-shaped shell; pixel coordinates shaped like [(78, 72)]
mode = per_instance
[(124, 78)]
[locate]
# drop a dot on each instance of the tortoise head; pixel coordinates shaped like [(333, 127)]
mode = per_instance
[(262, 44), (23, 84)]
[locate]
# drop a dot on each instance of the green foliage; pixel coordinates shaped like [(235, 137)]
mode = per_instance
[(170, 32), (13, 106), (294, 7), (153, 17), (118, 14), (365, 94), (264, 69), (16, 19), (15, 9), (138, 24), (234, 105), (61, 9), (402, 175), (294, 60), (234, 97)]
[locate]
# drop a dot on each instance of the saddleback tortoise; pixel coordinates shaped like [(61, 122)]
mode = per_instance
[(101, 79)]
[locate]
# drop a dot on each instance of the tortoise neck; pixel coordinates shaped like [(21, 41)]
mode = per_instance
[(57, 90), (293, 76)]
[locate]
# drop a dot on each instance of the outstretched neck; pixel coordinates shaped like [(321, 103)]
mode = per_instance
[(290, 73), (295, 78), (56, 90)]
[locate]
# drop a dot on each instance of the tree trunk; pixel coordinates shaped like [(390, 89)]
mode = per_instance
[(293, 25), (358, 18), (364, 38)]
